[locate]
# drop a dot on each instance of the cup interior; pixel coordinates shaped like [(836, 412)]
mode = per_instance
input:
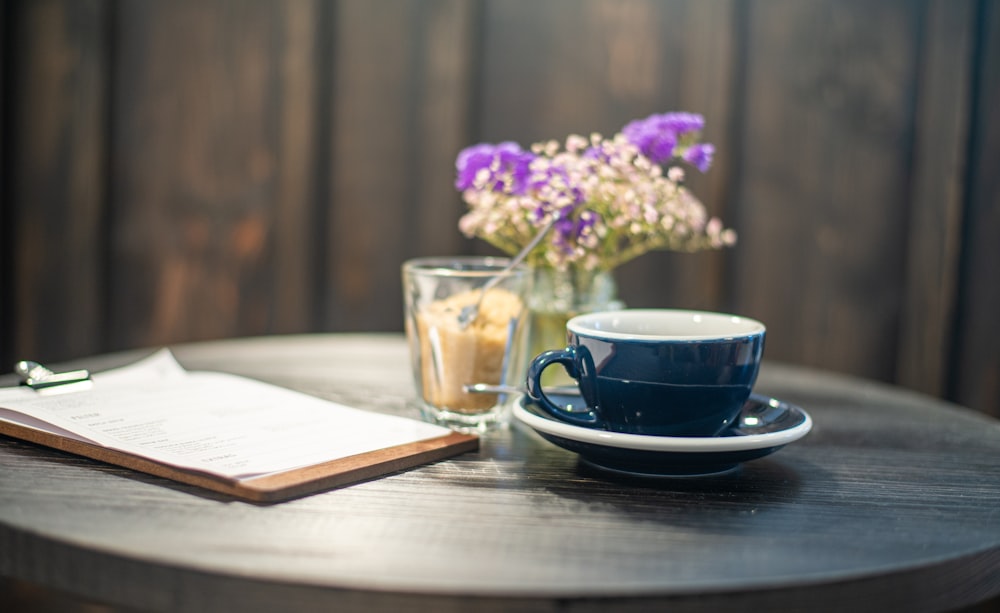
[(664, 325)]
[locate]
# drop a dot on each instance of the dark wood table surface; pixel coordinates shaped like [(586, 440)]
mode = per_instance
[(891, 503)]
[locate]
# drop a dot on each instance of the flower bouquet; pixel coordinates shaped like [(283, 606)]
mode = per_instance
[(611, 199)]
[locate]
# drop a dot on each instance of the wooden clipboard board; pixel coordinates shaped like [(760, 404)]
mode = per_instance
[(274, 487)]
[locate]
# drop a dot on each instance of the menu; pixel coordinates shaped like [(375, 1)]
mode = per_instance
[(226, 429)]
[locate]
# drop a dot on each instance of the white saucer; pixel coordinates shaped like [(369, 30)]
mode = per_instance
[(763, 426)]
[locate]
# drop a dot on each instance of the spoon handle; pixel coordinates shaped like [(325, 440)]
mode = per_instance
[(486, 388), (521, 255), (470, 312)]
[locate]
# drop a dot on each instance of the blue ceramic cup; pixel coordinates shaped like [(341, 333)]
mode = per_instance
[(655, 371)]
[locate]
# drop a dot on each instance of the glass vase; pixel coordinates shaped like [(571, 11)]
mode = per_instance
[(558, 295)]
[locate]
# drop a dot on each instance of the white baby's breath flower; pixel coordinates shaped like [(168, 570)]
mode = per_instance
[(575, 143)]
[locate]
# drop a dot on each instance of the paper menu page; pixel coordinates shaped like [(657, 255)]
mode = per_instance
[(209, 421)]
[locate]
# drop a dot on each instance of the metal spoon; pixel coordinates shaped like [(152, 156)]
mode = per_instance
[(469, 312), (486, 388)]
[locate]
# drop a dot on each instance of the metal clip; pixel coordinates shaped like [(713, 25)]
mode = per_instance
[(38, 377)]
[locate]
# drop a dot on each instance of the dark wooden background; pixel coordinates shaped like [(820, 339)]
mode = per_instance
[(185, 170)]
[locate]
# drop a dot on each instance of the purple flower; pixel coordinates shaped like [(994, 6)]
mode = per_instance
[(700, 155), (506, 161), (655, 143), (570, 227), (566, 231), (683, 123), (658, 136)]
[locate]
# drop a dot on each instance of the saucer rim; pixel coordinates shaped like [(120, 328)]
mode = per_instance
[(644, 442)]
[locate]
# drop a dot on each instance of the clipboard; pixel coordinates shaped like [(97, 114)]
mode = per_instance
[(275, 487), (267, 488)]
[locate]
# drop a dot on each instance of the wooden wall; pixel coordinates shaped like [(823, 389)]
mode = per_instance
[(185, 170)]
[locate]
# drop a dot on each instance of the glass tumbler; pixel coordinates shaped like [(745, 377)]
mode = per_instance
[(447, 356)]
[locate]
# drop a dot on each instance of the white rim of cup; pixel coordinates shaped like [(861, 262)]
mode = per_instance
[(746, 327)]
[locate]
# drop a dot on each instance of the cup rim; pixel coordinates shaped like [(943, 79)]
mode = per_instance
[(462, 266), (743, 327)]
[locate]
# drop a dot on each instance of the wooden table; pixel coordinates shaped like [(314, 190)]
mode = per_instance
[(891, 503)]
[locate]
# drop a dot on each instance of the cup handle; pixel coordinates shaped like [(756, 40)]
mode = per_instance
[(569, 358)]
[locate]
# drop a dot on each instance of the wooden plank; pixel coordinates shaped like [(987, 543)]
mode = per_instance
[(401, 79), (707, 63), (57, 177), (6, 205), (824, 179), (975, 378), (938, 190), (540, 82), (710, 85), (212, 162), (370, 158), (442, 124), (700, 53), (297, 253)]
